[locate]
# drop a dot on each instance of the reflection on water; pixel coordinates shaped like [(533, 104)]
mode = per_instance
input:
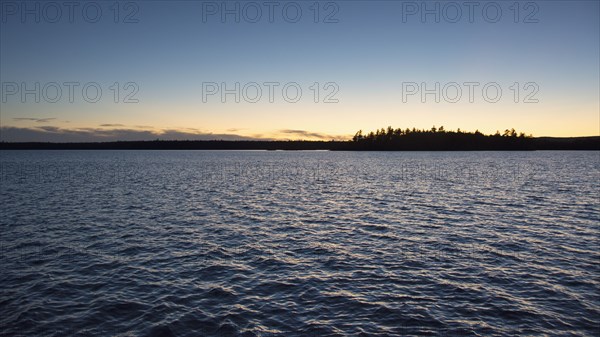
[(211, 243)]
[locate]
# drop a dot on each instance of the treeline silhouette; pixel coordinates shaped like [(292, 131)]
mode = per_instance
[(184, 145), (390, 139), (440, 139)]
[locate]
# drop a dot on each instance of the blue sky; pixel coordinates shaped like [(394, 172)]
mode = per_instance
[(368, 53)]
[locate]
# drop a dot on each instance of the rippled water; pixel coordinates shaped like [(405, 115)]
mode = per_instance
[(211, 243)]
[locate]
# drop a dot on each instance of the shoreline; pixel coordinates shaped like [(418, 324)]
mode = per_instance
[(531, 144)]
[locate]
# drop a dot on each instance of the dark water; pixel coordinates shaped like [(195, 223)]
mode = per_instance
[(204, 243)]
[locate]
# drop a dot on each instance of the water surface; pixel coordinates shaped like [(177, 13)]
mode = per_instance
[(260, 243)]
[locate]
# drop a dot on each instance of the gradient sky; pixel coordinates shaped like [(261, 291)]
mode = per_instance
[(369, 53)]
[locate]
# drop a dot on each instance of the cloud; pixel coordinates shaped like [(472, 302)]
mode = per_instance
[(118, 132), (112, 125), (49, 128), (37, 120), (309, 135), (57, 134)]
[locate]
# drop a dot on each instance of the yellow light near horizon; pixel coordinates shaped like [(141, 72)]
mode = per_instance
[(336, 120)]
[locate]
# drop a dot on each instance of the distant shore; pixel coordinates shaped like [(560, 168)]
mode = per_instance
[(529, 144)]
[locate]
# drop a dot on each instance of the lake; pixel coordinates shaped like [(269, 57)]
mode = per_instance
[(314, 243)]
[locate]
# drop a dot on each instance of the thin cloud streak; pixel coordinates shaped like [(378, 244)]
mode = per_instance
[(37, 120), (112, 125), (57, 134), (310, 135), (119, 132)]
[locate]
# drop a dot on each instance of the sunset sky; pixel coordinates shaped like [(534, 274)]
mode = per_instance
[(373, 53)]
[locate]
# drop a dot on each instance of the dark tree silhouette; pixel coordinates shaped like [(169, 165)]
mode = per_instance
[(440, 139), (390, 139)]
